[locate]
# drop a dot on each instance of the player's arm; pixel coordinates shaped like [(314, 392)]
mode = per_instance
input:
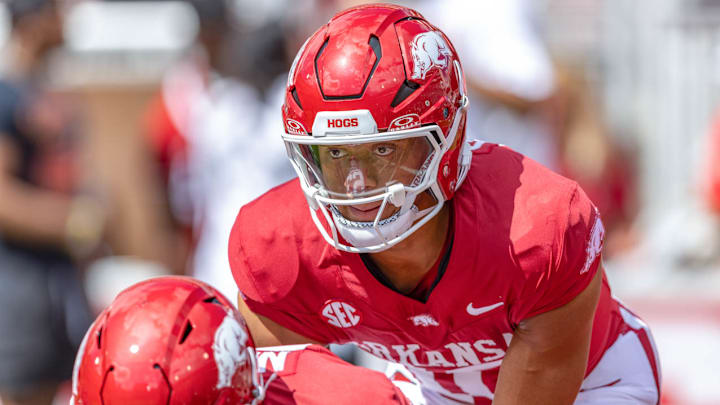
[(28, 213), (547, 357), (32, 214), (266, 332)]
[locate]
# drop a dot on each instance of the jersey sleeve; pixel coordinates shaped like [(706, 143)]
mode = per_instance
[(566, 268), (298, 322), (267, 269)]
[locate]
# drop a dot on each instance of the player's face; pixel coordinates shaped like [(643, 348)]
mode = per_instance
[(363, 170)]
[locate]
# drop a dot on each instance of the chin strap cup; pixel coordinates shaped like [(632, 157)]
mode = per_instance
[(397, 194), (312, 202)]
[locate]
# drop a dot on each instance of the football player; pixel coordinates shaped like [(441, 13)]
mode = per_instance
[(176, 340), (468, 264)]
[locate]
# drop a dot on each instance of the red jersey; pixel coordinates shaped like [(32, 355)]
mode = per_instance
[(313, 375), (526, 241)]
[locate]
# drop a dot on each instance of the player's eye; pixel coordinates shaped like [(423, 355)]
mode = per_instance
[(336, 153), (384, 149)]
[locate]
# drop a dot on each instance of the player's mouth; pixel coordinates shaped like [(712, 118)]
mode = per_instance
[(364, 212)]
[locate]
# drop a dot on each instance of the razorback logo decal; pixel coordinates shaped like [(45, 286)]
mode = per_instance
[(424, 320), (429, 50), (229, 350)]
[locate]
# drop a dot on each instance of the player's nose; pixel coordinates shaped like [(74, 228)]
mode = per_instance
[(359, 179)]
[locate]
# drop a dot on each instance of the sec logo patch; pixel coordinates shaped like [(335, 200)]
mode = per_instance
[(340, 314)]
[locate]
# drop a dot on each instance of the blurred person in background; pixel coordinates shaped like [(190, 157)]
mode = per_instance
[(168, 118), (604, 166), (701, 248), (204, 129), (43, 218)]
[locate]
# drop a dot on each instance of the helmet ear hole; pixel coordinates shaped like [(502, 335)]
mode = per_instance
[(186, 332), (212, 300)]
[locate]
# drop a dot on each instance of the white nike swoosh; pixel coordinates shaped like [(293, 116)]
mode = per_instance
[(477, 311)]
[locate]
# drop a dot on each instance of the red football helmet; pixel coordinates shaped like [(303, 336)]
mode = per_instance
[(168, 340), (374, 118)]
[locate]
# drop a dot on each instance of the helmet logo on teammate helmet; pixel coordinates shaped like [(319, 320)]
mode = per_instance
[(229, 350), (429, 50)]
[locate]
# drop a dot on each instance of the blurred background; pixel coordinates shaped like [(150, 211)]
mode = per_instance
[(132, 131)]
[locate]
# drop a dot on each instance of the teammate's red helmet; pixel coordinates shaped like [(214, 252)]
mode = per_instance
[(169, 340), (374, 118)]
